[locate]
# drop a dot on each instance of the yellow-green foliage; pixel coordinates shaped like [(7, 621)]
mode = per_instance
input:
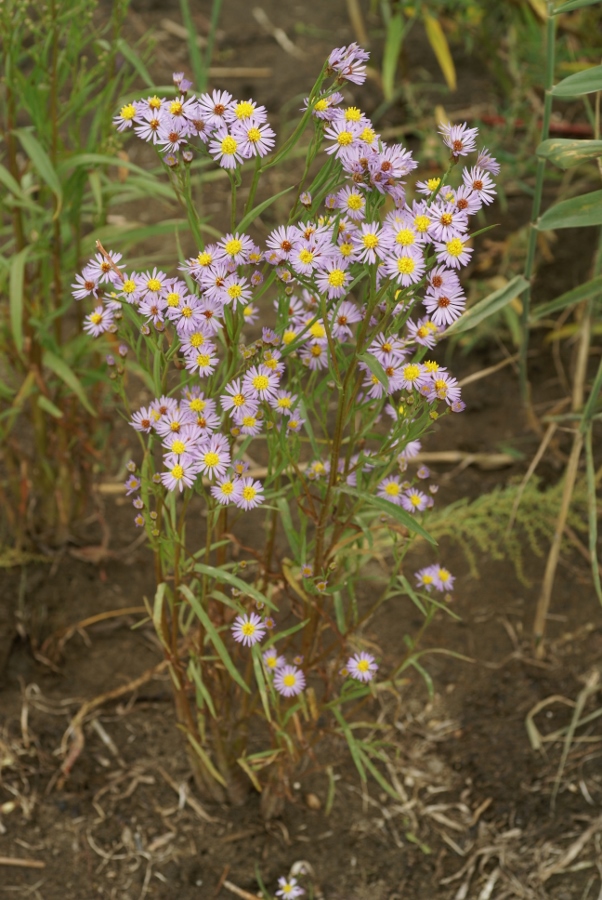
[(482, 524)]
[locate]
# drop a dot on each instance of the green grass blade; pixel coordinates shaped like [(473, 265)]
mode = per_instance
[(229, 578), (260, 679), (197, 63), (571, 5), (578, 212), (586, 82), (488, 306), (42, 164), (214, 637), (16, 298), (583, 292), (66, 374)]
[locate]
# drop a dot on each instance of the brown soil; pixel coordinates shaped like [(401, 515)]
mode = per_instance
[(473, 818)]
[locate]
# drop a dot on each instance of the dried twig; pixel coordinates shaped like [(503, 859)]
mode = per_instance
[(280, 36), (239, 891), (25, 863)]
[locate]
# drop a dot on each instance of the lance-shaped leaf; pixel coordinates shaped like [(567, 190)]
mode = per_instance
[(396, 512), (214, 636), (438, 41), (572, 5), (257, 211), (42, 164), (566, 153), (585, 291), (60, 368), (585, 82), (229, 578), (578, 212), (489, 305), (375, 367)]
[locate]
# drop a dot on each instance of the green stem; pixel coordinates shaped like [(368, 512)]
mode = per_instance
[(537, 198)]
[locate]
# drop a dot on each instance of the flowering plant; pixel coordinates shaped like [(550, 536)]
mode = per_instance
[(332, 397)]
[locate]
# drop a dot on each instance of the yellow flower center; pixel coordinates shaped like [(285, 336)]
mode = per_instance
[(316, 350), (204, 259), (229, 145), (155, 102), (317, 330), (227, 488), (427, 579), (368, 135), (353, 114), (233, 247), (234, 291), (433, 183), (128, 112), (321, 105), (411, 372), (249, 421), (284, 402), (344, 138), (336, 278), (177, 472), (238, 400), (247, 311), (415, 500), (405, 237), (355, 202), (446, 219), (288, 337), (248, 629), (254, 135), (175, 108), (186, 312), (173, 299), (197, 405), (405, 265), (345, 249), (392, 489), (363, 665), (431, 366), (95, 318), (197, 340), (178, 447), (289, 680), (261, 382), (455, 247), (203, 359), (211, 459), (249, 492), (244, 109), (153, 284), (292, 423), (129, 286), (421, 223), (370, 241), (306, 256)]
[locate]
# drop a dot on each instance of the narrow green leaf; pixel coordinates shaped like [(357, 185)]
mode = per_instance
[(10, 183), (287, 523), (571, 5), (375, 367), (393, 41), (15, 291), (578, 212), (42, 164), (196, 59), (229, 578), (49, 407), (214, 636), (62, 370), (257, 211), (260, 679), (390, 509), (194, 673), (353, 747), (566, 153), (378, 776), (134, 60), (412, 594), (205, 759), (585, 82), (488, 306), (583, 292)]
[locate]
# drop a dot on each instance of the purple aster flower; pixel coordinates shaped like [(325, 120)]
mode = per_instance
[(362, 667), (234, 248), (414, 501), (131, 485), (444, 387), (98, 321), (371, 241), (487, 162), (480, 182), (334, 279), (460, 139), (443, 580), (255, 139), (324, 106), (126, 116), (454, 253), (248, 629), (148, 129), (251, 494), (289, 681), (349, 63), (445, 307), (261, 382), (86, 285), (182, 473), (406, 267), (390, 489), (226, 490), (467, 200), (216, 108), (103, 268), (345, 315), (344, 136), (272, 661), (425, 578), (447, 221), (226, 149), (243, 110), (213, 457)]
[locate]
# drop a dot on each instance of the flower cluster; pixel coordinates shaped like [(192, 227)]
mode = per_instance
[(228, 130), (358, 293)]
